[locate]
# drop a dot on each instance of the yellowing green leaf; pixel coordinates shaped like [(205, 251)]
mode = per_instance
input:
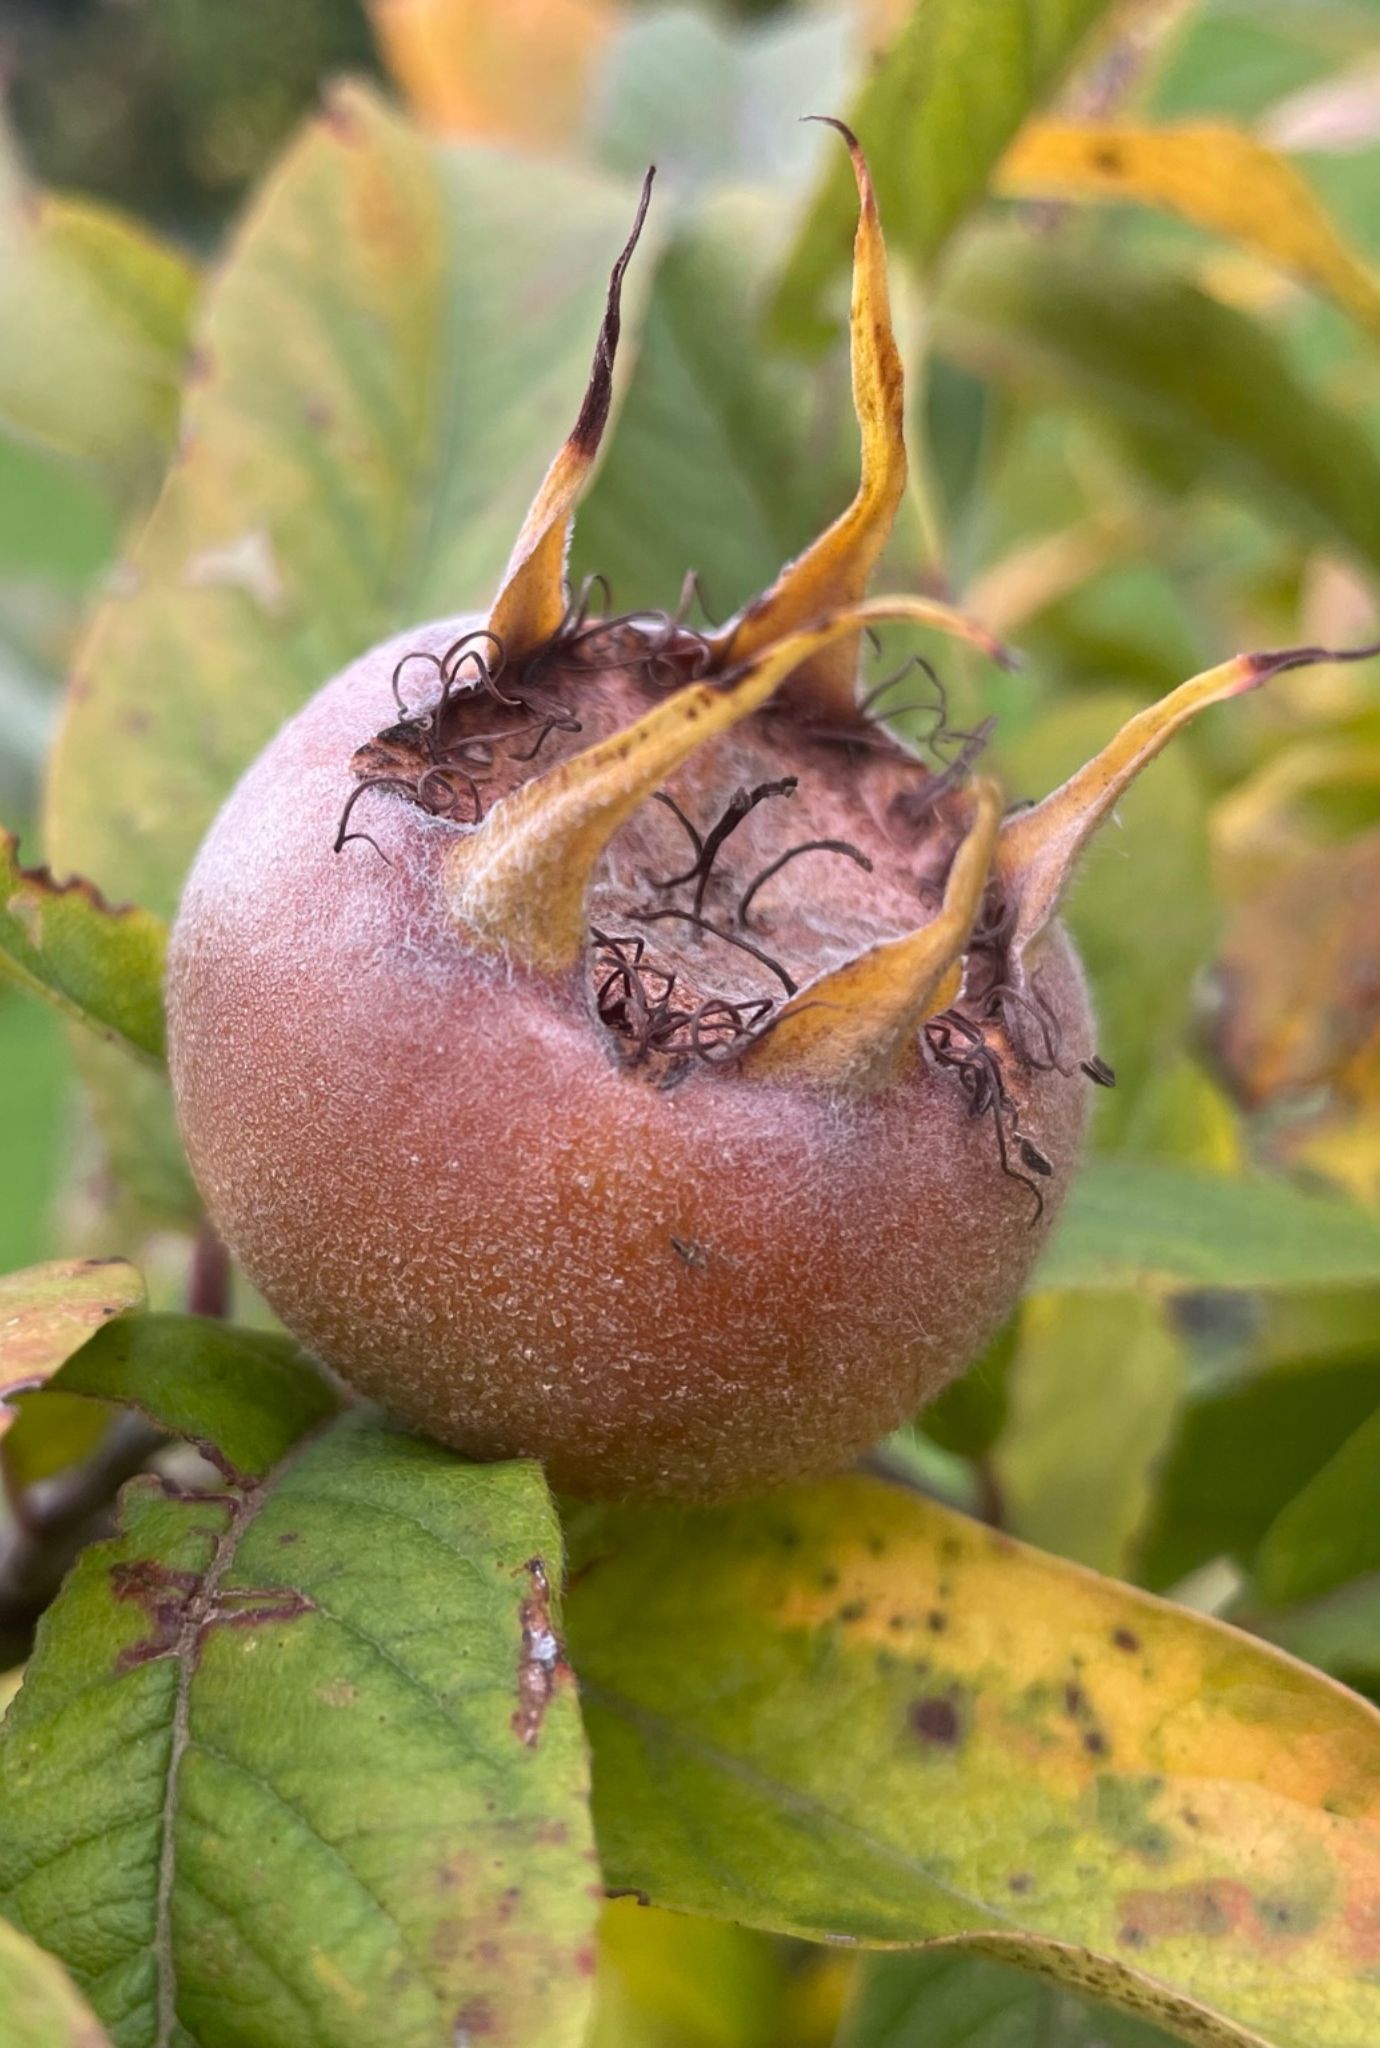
[(63, 941), (1210, 174), (521, 71), (1142, 346), (397, 342), (93, 325), (39, 2006), (48, 1312), (847, 1712), (940, 106)]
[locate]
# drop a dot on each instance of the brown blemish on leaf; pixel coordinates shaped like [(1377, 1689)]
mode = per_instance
[(541, 1662), (936, 1621), (853, 1610), (164, 1595), (1218, 1906), (936, 1722), (176, 1604), (1125, 1639), (475, 2021)]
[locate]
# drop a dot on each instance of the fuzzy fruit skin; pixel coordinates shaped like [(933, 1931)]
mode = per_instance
[(433, 1169)]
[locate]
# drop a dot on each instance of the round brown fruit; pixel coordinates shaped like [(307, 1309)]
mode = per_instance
[(536, 1212)]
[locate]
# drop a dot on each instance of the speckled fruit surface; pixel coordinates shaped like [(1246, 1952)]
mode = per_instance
[(452, 1186)]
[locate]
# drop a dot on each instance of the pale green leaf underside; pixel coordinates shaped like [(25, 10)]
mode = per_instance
[(93, 326), (393, 352), (39, 2008)]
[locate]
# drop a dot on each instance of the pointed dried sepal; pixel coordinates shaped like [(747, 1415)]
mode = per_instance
[(531, 599), (835, 569), (1039, 849), (856, 1029), (517, 883)]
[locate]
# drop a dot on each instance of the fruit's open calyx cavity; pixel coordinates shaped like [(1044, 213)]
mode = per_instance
[(710, 832)]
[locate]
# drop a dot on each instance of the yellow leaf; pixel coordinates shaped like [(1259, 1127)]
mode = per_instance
[(1215, 176), (511, 70)]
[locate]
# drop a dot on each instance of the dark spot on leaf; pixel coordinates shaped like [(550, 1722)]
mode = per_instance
[(828, 1579), (936, 1721), (289, 1536), (852, 1610), (936, 1621), (1107, 157), (1126, 1639), (627, 1891), (1076, 1702), (876, 1546), (1095, 1742), (1020, 1882), (474, 2022), (898, 1622)]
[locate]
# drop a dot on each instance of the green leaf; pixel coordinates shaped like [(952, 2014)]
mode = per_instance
[(713, 102), (63, 941), (33, 1091), (1134, 1221), (49, 1312), (1179, 369), (945, 1999), (1339, 1633), (243, 1397), (38, 2004), (1331, 1531), (935, 115), (849, 1713), (1094, 1393), (300, 1763), (1242, 1453), (392, 353), (93, 325)]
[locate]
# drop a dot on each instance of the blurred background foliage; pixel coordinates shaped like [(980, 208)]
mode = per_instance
[(1144, 434)]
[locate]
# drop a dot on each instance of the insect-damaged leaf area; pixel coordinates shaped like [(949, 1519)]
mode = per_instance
[(298, 1761), (899, 1725), (101, 965)]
